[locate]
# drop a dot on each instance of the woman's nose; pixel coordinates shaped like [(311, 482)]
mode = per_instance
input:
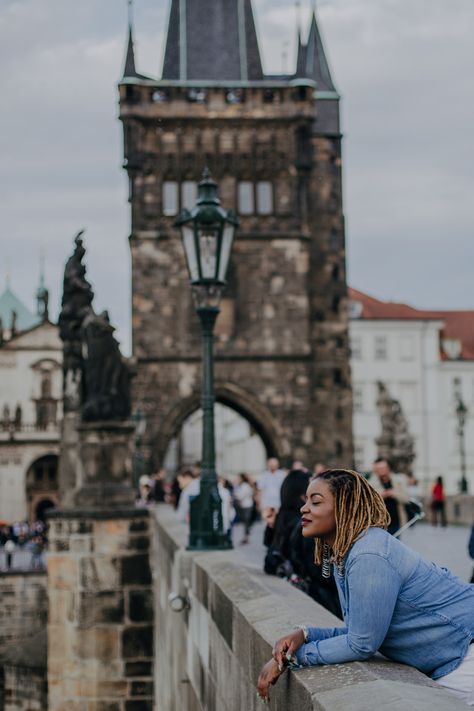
[(304, 508)]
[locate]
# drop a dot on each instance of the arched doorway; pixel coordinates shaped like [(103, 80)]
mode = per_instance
[(42, 486), (42, 507), (239, 447)]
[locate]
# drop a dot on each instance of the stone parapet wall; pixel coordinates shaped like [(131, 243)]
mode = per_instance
[(100, 625), (209, 655), (459, 509), (25, 688), (24, 606)]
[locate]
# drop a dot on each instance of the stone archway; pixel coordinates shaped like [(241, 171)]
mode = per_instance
[(42, 484), (237, 399)]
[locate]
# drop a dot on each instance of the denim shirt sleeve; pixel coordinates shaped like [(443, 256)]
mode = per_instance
[(372, 590)]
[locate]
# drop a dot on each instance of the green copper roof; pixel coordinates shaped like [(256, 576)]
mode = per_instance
[(9, 303)]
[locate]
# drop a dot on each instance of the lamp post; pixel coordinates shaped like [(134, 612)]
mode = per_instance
[(207, 233), (461, 415)]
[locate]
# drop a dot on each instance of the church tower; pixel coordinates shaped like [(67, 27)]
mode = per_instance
[(273, 145)]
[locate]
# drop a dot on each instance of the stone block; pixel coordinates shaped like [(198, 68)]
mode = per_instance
[(138, 669), (100, 643), (99, 573), (137, 642), (140, 688), (139, 705), (140, 605), (62, 572), (105, 706), (99, 607), (111, 536), (135, 570), (139, 524), (139, 543)]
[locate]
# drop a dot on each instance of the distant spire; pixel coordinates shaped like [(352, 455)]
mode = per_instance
[(129, 70), (317, 67), (42, 294)]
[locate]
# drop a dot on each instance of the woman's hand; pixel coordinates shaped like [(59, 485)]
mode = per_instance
[(285, 647), (269, 675)]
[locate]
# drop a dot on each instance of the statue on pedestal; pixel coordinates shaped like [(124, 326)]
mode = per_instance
[(395, 442)]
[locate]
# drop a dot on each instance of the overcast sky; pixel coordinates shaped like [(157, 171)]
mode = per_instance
[(405, 69)]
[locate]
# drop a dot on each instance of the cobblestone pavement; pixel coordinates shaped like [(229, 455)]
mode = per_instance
[(445, 546)]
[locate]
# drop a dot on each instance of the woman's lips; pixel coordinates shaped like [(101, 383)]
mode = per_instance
[(305, 521)]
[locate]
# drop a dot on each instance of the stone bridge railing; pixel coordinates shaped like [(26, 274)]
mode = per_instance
[(207, 657)]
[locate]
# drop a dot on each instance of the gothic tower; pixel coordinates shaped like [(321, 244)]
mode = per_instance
[(273, 145)]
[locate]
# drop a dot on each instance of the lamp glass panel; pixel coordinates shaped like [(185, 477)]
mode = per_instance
[(190, 250), (208, 240), (227, 240)]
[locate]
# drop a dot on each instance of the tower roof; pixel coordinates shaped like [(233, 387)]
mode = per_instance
[(311, 61), (212, 40), (317, 67), (10, 303), (129, 68)]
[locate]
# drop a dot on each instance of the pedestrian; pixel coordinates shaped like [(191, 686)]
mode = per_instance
[(393, 490), (244, 503), (158, 485), (438, 500), (9, 549), (269, 485), (393, 601)]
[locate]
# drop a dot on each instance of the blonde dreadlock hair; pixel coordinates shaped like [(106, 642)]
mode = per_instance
[(357, 506)]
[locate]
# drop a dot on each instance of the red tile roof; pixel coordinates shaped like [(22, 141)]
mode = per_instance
[(458, 324)]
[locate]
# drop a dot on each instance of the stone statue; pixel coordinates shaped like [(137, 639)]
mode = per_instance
[(96, 377), (106, 385), (395, 443), (75, 306)]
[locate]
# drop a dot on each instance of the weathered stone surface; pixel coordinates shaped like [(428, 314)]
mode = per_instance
[(136, 570), (282, 355), (137, 642), (138, 669), (196, 668), (140, 605)]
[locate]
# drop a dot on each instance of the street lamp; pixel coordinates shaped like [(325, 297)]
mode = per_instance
[(461, 414), (207, 233)]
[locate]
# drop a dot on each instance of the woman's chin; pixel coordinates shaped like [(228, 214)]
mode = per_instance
[(306, 532)]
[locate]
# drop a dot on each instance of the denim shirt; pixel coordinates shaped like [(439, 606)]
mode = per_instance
[(395, 602)]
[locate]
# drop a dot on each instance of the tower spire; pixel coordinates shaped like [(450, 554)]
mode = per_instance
[(227, 32), (129, 69), (317, 66), (42, 293)]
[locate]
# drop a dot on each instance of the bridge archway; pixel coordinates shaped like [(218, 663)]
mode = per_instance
[(258, 418)]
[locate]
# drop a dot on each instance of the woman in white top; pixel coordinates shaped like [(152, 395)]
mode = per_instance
[(244, 503)]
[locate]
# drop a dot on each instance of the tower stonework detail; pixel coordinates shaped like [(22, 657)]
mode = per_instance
[(273, 145)]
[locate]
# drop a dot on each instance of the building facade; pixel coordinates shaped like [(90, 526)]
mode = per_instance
[(273, 145), (425, 358), (30, 409)]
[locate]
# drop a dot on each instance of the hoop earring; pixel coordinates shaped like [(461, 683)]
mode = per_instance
[(326, 563)]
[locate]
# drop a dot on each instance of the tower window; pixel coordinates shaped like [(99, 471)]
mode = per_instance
[(380, 348), (246, 198), (188, 194), (264, 198), (170, 198)]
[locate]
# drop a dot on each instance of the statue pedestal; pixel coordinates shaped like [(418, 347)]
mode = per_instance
[(104, 465)]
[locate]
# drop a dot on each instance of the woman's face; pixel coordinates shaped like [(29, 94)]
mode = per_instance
[(317, 513)]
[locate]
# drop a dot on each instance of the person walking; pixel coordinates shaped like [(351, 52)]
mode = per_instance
[(393, 601), (244, 503), (268, 501), (438, 500), (393, 490)]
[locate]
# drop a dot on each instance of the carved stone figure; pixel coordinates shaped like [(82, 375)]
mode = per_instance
[(395, 442), (106, 385), (76, 304)]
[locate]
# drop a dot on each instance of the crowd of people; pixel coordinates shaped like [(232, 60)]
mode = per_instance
[(22, 537)]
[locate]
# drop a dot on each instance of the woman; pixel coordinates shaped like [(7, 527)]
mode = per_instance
[(438, 502), (392, 600), (244, 501)]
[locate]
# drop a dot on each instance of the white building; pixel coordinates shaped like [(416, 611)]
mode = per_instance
[(30, 408), (422, 357)]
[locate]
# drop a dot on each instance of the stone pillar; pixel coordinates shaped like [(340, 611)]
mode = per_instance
[(100, 626)]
